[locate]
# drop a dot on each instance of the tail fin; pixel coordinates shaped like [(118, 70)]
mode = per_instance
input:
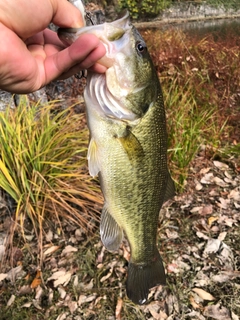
[(141, 278)]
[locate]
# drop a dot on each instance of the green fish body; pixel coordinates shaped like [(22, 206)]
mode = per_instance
[(128, 151)]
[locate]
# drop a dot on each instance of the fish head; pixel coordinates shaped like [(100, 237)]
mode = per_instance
[(130, 85)]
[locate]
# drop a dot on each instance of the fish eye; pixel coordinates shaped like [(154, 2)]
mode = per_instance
[(140, 47)]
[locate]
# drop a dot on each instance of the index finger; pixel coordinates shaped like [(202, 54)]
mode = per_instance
[(40, 14)]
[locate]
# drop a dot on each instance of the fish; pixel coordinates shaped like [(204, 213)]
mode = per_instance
[(128, 149)]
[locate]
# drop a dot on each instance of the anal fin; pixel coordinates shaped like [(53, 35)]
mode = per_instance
[(170, 189), (111, 233)]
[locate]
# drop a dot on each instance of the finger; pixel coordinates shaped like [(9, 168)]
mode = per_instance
[(45, 37), (84, 53), (18, 66), (66, 14), (17, 15), (98, 68)]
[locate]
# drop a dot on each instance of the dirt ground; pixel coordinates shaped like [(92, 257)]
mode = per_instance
[(198, 238)]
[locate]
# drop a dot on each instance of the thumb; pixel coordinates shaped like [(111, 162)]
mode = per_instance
[(66, 14)]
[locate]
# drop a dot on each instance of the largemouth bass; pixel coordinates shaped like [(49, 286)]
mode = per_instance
[(128, 149)]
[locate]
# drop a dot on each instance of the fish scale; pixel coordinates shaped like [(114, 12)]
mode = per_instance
[(128, 150)]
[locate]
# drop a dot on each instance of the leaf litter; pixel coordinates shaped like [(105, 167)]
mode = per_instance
[(198, 240), (199, 243)]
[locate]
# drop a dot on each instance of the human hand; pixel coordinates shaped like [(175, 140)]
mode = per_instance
[(31, 55)]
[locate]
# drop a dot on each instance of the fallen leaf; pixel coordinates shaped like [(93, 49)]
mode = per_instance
[(61, 277), (62, 292), (107, 276), (220, 182), (222, 235), (202, 235), (50, 250), (198, 186), (39, 292), (2, 251), (37, 280), (11, 300), (234, 316), (212, 246), (207, 179), (203, 294), (220, 165), (25, 290), (75, 281), (195, 315), (27, 305), (119, 309), (225, 276), (224, 203), (178, 266), (172, 234), (126, 253), (217, 312), (3, 276), (211, 220), (196, 209), (62, 316), (82, 299), (205, 170), (14, 273), (68, 249), (154, 309), (207, 210), (194, 304), (234, 194), (86, 286), (49, 236), (36, 304), (72, 305), (172, 302), (226, 257)]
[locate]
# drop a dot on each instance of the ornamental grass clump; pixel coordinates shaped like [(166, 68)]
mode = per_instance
[(43, 167)]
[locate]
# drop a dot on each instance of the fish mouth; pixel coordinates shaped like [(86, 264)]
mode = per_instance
[(107, 104), (106, 32)]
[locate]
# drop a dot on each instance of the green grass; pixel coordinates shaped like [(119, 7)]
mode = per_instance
[(43, 166), (189, 129), (200, 79)]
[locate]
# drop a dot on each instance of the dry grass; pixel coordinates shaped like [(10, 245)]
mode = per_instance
[(200, 80), (43, 167)]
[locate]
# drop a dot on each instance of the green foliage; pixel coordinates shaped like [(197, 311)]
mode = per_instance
[(189, 128), (150, 8), (145, 8), (200, 80), (231, 4), (43, 166)]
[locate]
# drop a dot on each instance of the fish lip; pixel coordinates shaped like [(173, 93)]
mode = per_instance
[(69, 35), (124, 15)]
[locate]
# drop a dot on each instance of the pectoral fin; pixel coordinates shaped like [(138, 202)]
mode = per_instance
[(111, 233), (93, 158), (131, 145)]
